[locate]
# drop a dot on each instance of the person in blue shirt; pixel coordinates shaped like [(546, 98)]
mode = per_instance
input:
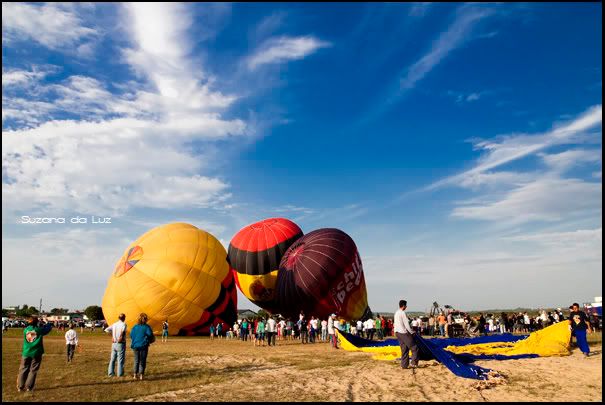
[(141, 336), (165, 331)]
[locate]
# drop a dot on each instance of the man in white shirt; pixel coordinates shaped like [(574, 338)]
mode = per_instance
[(71, 340), (331, 331), (271, 330), (314, 322), (415, 324), (282, 329), (405, 336), (324, 330), (359, 328), (118, 346), (313, 332), (370, 328)]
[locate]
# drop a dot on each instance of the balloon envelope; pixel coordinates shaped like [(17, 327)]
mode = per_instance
[(176, 272), (321, 274), (254, 256)]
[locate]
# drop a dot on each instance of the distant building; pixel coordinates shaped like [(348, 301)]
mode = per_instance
[(10, 310), (58, 318), (71, 317), (76, 316), (245, 313)]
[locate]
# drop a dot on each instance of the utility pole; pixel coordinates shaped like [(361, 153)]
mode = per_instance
[(40, 306)]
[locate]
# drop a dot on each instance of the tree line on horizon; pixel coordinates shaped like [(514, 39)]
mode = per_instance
[(92, 312)]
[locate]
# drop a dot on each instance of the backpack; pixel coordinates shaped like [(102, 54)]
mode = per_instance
[(151, 338)]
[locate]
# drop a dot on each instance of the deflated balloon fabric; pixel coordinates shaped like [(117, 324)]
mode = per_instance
[(457, 353)]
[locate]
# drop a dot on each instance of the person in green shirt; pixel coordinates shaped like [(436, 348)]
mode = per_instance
[(31, 357), (260, 332), (378, 327)]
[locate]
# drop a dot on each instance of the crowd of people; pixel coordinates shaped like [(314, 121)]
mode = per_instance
[(266, 331), (521, 322)]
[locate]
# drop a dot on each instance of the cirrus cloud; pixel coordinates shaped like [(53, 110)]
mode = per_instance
[(283, 49)]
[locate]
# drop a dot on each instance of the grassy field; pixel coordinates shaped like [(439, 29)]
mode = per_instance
[(198, 369)]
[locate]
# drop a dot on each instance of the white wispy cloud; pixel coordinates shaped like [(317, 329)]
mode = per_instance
[(53, 25), (462, 97), (506, 149), (496, 179), (161, 54), (509, 198), (456, 35), (565, 240), (268, 25), (23, 78), (102, 166), (545, 199), (128, 149), (26, 113), (562, 162), (488, 265), (473, 97), (293, 209), (283, 49)]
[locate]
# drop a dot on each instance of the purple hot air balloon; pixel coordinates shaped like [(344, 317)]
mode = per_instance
[(321, 274)]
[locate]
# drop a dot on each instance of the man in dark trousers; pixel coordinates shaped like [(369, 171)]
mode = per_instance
[(405, 335), (31, 358), (578, 324)]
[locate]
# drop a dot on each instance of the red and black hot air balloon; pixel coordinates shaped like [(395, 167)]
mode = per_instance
[(321, 274), (254, 256)]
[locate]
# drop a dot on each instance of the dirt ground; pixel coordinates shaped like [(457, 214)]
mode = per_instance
[(198, 369)]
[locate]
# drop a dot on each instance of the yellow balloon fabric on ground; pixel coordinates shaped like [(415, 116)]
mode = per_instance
[(171, 272), (550, 341)]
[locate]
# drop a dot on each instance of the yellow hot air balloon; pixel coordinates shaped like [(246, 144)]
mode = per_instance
[(176, 272)]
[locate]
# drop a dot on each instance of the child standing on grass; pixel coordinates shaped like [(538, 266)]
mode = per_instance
[(260, 332), (71, 340), (244, 331), (165, 331)]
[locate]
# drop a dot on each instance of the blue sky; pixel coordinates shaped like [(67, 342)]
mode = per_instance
[(458, 144)]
